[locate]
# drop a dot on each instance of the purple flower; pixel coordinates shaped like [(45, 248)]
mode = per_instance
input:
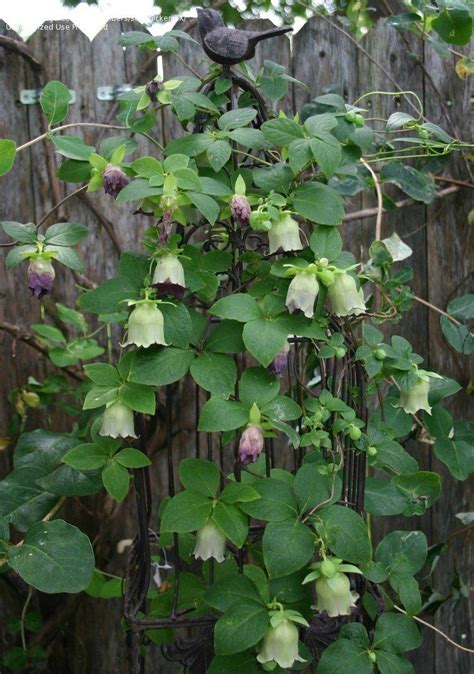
[(241, 210), (114, 180), (40, 277), (152, 88), (251, 444), (280, 362)]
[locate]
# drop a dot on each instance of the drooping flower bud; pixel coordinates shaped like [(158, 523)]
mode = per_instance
[(251, 444), (168, 277), (284, 234), (117, 421), (114, 180), (280, 362), (241, 210), (302, 293), (152, 88), (416, 398), (40, 276), (344, 297), (210, 543), (334, 595), (145, 326), (280, 645)]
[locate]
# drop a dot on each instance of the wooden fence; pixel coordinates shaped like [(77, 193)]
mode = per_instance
[(83, 634)]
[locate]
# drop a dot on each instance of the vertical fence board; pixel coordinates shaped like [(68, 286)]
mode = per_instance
[(450, 256)]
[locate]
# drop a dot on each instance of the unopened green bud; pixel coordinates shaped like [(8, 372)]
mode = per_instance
[(359, 120), (372, 656), (350, 116), (254, 414), (380, 354), (326, 277), (328, 569), (372, 451), (355, 433), (424, 134), (340, 352)]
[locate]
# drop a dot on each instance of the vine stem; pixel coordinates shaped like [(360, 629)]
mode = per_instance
[(22, 617), (435, 308), (378, 222), (69, 126), (437, 630), (60, 203)]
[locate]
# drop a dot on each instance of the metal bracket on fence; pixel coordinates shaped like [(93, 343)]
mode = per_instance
[(112, 93), (32, 96)]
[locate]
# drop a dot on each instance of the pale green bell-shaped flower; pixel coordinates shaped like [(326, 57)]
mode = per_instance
[(345, 299), (302, 293), (117, 421), (416, 398), (280, 645), (168, 269), (284, 234), (210, 543), (145, 326), (334, 595)]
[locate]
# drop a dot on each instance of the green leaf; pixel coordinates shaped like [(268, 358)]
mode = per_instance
[(415, 184), (218, 154), (459, 336), (103, 374), (252, 138), (99, 396), (17, 255), (282, 131), (73, 147), (54, 101), (241, 627), (137, 189), (422, 487), (236, 492), (109, 296), (185, 512), (214, 372), (20, 232), (147, 167), (22, 502), (132, 458), (278, 178), (232, 590), (287, 547), (454, 26), (55, 557), (347, 534), (200, 476), (326, 242), (222, 415), (232, 522), (116, 480), (226, 338), (239, 307), (300, 154), (206, 205), (239, 663), (345, 656), (258, 385), (178, 326), (462, 308), (236, 118), (407, 589), (191, 145), (7, 155), (282, 408), (390, 663), (72, 171), (313, 489), (382, 497), (86, 457), (327, 152), (159, 366), (276, 503), (396, 633), (318, 203), (72, 317), (411, 545), (264, 339), (65, 234), (138, 397)]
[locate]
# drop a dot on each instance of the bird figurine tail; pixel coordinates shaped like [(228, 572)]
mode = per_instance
[(273, 32)]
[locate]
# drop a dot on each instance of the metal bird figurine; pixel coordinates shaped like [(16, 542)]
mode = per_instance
[(229, 46)]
